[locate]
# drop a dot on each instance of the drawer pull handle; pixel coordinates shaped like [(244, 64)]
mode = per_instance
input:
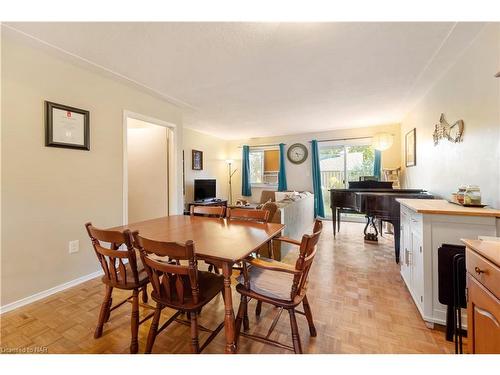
[(479, 271)]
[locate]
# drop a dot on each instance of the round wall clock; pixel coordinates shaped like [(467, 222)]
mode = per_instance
[(297, 153)]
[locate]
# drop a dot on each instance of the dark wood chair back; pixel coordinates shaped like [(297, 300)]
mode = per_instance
[(112, 259), (305, 259), (261, 216), (272, 207), (209, 211), (172, 282)]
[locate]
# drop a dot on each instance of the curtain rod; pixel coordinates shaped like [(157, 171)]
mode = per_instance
[(342, 139), (268, 145)]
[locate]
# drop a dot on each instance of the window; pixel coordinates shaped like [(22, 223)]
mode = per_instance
[(341, 163), (264, 166)]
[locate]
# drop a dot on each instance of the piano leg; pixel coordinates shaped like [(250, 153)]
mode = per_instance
[(370, 237), (339, 216), (397, 236), (334, 216)]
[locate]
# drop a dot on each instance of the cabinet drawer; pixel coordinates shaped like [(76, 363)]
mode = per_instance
[(483, 271)]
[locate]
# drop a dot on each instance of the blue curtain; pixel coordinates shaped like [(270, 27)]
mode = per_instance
[(319, 208), (377, 165), (246, 189), (282, 174)]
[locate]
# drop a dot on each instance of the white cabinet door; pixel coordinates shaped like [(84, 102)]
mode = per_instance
[(417, 267), (405, 248)]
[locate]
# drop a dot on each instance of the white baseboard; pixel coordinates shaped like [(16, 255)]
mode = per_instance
[(43, 294)]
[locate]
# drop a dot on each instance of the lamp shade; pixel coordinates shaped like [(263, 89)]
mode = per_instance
[(382, 141)]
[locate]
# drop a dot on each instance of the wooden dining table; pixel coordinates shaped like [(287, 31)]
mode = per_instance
[(219, 241)]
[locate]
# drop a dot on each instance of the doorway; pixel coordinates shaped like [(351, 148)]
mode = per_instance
[(341, 163), (148, 153)]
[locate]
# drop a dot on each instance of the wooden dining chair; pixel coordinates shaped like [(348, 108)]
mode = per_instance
[(257, 216), (122, 270), (318, 225), (207, 211), (180, 287), (242, 214), (282, 285), (272, 207)]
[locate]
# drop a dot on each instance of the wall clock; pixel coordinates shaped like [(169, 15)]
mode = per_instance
[(297, 153)]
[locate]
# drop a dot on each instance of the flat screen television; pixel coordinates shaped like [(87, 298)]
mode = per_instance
[(204, 189)]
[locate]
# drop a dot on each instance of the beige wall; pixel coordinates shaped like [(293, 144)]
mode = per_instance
[(468, 91), (214, 161), (49, 193), (299, 177), (147, 165)]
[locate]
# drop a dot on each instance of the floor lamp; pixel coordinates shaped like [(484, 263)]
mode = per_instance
[(230, 175)]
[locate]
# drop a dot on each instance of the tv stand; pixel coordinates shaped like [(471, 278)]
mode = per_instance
[(208, 202)]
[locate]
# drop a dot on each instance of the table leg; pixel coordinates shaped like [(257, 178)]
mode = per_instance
[(229, 322)]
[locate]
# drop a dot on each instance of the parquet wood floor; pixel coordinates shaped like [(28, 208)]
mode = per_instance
[(359, 303)]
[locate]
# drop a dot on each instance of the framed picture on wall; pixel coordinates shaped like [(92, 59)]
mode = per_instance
[(197, 160), (66, 127), (411, 148)]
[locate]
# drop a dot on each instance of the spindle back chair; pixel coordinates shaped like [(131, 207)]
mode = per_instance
[(123, 270), (178, 284), (281, 285)]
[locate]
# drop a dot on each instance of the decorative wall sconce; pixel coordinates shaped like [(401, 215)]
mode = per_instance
[(452, 133)]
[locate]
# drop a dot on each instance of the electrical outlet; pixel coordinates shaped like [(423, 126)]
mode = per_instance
[(74, 246)]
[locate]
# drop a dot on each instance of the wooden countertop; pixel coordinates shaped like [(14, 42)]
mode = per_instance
[(488, 249), (443, 207)]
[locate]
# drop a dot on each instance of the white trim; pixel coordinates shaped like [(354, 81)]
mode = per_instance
[(46, 293), (172, 160)]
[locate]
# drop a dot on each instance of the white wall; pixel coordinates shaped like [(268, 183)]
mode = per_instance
[(214, 162), (299, 177), (468, 91), (49, 193), (147, 147)]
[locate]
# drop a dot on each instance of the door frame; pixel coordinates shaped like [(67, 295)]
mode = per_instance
[(172, 136)]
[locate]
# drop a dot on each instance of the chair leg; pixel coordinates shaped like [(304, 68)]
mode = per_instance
[(295, 332), (258, 308), (104, 313), (134, 322), (246, 323), (145, 294), (153, 329), (310, 321), (110, 303), (195, 346), (239, 319)]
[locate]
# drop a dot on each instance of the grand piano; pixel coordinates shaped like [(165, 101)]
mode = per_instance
[(375, 199)]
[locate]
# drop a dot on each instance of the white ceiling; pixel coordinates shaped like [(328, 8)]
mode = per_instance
[(239, 80)]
